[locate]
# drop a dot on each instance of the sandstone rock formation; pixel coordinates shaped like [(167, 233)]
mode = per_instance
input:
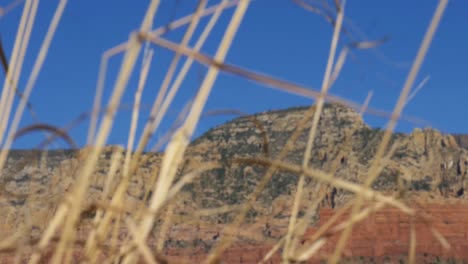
[(424, 162)]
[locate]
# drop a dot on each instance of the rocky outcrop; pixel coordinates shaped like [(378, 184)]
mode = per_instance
[(424, 163), (462, 140)]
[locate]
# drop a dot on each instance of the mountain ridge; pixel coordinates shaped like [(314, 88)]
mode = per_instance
[(425, 163)]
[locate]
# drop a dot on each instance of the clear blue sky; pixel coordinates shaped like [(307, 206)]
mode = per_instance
[(277, 37)]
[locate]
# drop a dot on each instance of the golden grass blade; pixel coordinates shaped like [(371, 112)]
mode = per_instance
[(11, 242), (440, 238), (115, 234), (301, 227), (359, 216), (126, 168), (32, 80), (148, 131), (136, 106), (113, 212), (176, 188), (165, 227), (18, 92), (18, 68), (90, 163), (306, 255), (180, 140), (366, 192), (11, 79), (185, 20), (140, 242), (103, 226), (178, 144), (33, 77), (269, 81), (339, 65), (114, 166), (312, 132), (226, 241), (272, 251), (16, 63), (320, 191), (323, 228), (158, 115), (167, 79), (94, 237), (392, 123), (365, 105), (418, 88), (123, 47), (354, 219), (188, 178), (48, 234), (100, 88), (175, 60), (5, 65), (166, 137)]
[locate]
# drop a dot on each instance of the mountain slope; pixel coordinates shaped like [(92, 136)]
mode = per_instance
[(425, 163)]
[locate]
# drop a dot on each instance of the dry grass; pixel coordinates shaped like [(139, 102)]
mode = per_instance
[(110, 216)]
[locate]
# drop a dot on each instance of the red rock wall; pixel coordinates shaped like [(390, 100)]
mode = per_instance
[(385, 233)]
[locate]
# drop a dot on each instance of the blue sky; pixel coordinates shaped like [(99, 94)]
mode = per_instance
[(277, 37)]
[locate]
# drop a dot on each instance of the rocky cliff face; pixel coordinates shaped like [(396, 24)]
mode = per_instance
[(424, 162), (462, 140)]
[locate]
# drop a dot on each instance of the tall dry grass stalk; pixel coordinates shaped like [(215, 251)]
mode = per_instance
[(176, 147), (112, 212), (287, 253), (72, 209), (377, 164), (32, 79)]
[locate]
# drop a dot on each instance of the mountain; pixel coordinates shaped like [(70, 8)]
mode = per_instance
[(424, 160), (424, 163)]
